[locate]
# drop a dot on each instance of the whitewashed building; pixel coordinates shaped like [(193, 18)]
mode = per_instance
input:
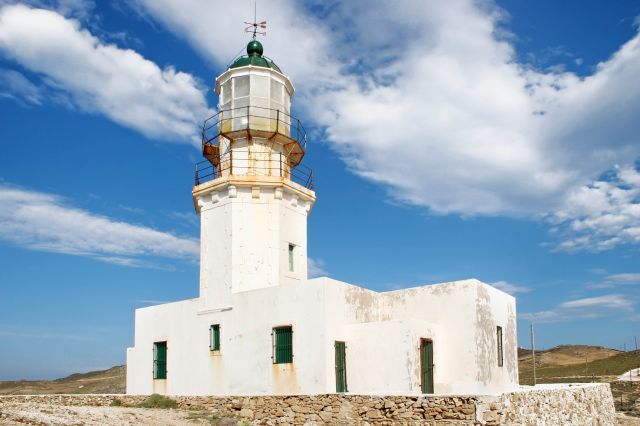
[(259, 325)]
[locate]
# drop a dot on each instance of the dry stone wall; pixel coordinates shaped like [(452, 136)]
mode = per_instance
[(589, 404)]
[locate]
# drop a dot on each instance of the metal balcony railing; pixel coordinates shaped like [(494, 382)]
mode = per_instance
[(240, 163), (255, 121), (221, 130)]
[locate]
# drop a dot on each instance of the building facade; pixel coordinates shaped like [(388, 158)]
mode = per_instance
[(259, 325)]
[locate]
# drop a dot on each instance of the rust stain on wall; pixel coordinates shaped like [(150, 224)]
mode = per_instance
[(285, 379)]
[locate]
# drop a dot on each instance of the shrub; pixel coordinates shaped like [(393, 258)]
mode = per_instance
[(158, 401)]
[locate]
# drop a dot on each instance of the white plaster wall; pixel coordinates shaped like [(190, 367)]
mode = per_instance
[(384, 356), (496, 308), (245, 234), (244, 364), (215, 248), (451, 306), (449, 314), (381, 331)]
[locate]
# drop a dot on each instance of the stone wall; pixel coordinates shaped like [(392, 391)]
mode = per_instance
[(589, 404)]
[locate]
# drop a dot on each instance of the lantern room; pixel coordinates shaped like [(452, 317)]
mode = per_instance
[(253, 132)]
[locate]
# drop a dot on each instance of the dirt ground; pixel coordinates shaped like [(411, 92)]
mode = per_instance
[(624, 420), (29, 413)]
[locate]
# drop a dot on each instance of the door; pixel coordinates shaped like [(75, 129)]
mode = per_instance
[(160, 360), (341, 367), (426, 365)]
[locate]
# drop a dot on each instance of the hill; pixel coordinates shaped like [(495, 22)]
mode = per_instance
[(105, 381), (576, 363)]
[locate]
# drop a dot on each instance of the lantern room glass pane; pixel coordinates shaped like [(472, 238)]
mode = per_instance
[(276, 91), (287, 105), (241, 86), (240, 113), (260, 86), (225, 96), (261, 104)]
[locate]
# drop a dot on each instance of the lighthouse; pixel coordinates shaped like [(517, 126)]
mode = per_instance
[(252, 193), (259, 325)]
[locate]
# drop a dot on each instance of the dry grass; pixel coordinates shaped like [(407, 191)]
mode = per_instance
[(567, 355), (577, 364)]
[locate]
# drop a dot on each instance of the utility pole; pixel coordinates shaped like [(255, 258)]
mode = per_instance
[(635, 339), (533, 354), (586, 361)]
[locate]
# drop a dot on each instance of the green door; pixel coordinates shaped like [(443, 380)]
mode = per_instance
[(426, 365), (160, 360), (341, 367)]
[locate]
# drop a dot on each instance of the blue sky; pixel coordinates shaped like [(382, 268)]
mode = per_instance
[(496, 140)]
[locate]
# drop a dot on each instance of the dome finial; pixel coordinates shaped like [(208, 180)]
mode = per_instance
[(254, 48)]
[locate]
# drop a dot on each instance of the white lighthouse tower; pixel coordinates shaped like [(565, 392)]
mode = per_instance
[(259, 325), (253, 211)]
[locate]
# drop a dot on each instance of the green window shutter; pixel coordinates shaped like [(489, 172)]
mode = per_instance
[(426, 365), (214, 337), (282, 345), (341, 367), (500, 349), (160, 360)]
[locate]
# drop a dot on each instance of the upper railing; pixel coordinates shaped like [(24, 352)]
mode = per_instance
[(259, 121)]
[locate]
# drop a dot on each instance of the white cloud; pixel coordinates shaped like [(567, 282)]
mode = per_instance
[(602, 215), (428, 99), (45, 222), (613, 301), (626, 278), (14, 85), (616, 280), (81, 9), (510, 288), (586, 308), (102, 78), (316, 268)]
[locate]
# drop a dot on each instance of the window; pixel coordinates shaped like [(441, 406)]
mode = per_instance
[(240, 109), (500, 351), (214, 337), (241, 86), (226, 93), (282, 345), (291, 258), (160, 360)]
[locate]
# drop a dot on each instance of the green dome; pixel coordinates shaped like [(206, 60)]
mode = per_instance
[(254, 57)]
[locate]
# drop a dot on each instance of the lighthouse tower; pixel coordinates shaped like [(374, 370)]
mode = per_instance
[(251, 192)]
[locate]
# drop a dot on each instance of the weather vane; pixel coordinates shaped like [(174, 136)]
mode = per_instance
[(253, 26)]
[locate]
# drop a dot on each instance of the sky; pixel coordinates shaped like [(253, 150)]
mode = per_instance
[(496, 140)]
